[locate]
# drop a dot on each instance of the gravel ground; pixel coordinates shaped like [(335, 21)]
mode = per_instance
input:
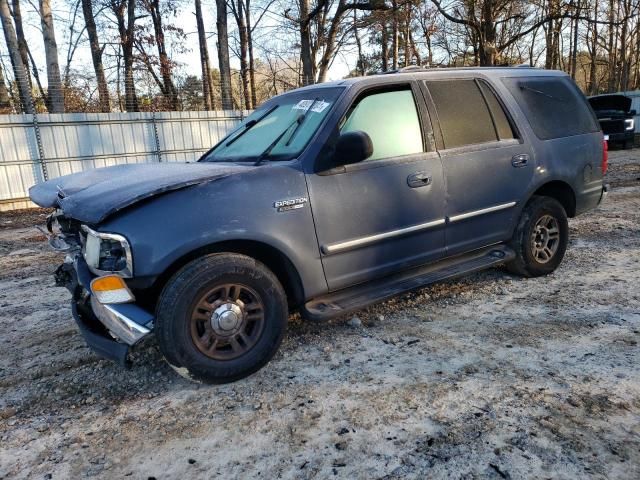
[(492, 376)]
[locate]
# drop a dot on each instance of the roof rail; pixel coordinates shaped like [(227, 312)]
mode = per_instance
[(410, 68)]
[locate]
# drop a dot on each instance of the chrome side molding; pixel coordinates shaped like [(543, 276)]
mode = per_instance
[(368, 240), (483, 211)]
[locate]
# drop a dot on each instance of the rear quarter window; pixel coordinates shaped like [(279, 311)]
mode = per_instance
[(554, 106)]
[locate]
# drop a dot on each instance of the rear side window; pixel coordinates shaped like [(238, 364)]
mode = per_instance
[(500, 119), (469, 113), (553, 105), (391, 120)]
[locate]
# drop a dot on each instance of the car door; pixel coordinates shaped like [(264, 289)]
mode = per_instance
[(487, 165), (385, 213)]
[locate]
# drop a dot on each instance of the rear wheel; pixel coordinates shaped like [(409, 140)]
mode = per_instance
[(221, 318), (540, 239)]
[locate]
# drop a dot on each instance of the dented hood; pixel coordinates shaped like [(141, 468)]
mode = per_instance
[(94, 195)]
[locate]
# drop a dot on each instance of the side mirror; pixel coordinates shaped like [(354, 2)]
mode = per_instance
[(352, 147), (632, 113)]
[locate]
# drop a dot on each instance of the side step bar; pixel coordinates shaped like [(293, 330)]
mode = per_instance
[(355, 298)]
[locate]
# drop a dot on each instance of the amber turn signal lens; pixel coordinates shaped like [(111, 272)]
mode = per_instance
[(111, 289)]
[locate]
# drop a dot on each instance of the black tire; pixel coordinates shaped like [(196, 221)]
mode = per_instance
[(531, 260), (179, 315)]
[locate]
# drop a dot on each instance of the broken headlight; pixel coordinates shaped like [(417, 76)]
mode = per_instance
[(107, 253)]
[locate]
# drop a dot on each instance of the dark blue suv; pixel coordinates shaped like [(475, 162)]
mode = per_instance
[(324, 200)]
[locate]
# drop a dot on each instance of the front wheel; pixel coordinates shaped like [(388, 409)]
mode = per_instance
[(540, 239), (221, 318)]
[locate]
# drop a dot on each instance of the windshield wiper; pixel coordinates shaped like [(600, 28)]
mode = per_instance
[(267, 151), (250, 124), (300, 120)]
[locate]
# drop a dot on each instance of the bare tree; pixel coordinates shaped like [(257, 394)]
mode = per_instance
[(55, 95), (495, 25), (25, 52), (5, 99), (207, 87), (96, 55), (239, 9), (165, 81), (125, 13), (224, 64), (19, 69), (22, 41), (330, 33)]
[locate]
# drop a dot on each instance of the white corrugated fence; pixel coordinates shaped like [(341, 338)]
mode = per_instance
[(73, 142)]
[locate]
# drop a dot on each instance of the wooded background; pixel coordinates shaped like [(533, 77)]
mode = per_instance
[(259, 48)]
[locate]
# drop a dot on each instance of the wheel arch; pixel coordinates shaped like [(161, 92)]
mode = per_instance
[(274, 259), (560, 191)]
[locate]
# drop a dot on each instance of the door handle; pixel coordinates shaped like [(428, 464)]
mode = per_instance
[(519, 160), (419, 179)]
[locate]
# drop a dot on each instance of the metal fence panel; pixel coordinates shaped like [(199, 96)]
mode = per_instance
[(73, 142)]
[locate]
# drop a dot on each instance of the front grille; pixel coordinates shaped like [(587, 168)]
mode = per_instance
[(612, 126)]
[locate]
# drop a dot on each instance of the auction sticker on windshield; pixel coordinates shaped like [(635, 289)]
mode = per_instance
[(318, 107)]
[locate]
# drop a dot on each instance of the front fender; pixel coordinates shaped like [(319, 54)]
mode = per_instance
[(241, 207)]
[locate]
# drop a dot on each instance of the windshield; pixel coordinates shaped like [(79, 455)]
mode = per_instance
[(294, 117)]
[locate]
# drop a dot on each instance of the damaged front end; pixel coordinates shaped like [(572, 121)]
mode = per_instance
[(110, 324)]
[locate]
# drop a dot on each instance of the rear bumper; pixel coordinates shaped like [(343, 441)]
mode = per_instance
[(109, 330), (621, 137)]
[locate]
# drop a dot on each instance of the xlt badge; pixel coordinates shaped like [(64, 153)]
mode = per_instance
[(291, 204)]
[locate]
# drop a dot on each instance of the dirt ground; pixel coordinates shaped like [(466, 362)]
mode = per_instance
[(492, 376)]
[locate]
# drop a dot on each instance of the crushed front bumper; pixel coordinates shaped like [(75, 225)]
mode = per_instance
[(109, 330)]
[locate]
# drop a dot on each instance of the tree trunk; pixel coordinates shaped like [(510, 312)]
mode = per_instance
[(612, 48), (636, 82), (593, 85), (125, 13), (5, 100), (96, 56), (394, 34), (487, 38), (624, 61), (19, 70), (385, 46), (252, 77), (54, 82), (552, 36), (407, 34), (25, 53), (244, 68), (207, 93), (22, 42), (360, 63), (306, 56), (574, 55), (414, 49), (168, 88), (223, 54)]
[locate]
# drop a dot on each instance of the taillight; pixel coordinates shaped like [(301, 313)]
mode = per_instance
[(605, 155)]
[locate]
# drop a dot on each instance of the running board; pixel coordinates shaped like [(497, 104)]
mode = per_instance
[(360, 296)]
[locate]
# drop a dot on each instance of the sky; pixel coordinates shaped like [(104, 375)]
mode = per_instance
[(190, 60)]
